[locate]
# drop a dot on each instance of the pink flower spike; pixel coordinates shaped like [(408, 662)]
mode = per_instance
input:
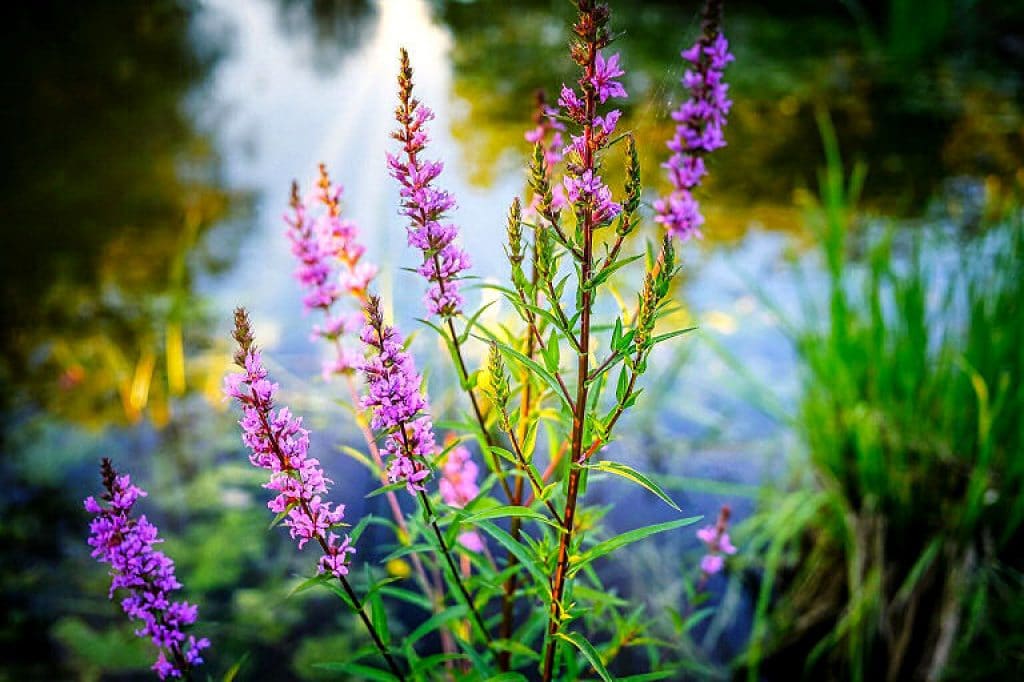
[(280, 445)]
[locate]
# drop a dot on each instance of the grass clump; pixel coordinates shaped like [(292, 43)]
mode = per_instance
[(902, 559)]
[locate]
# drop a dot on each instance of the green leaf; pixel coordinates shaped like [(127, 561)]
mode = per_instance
[(508, 510), (623, 385), (649, 677), (504, 454), (360, 527), (452, 351), (385, 489), (526, 557), (530, 441), (327, 581), (620, 541), (548, 378), (358, 670), (400, 552), (514, 646), (507, 677), (361, 458), (588, 651), (551, 352), (629, 473), (433, 661), (379, 617), (603, 275), (616, 334), (471, 322), (408, 596), (309, 583), (232, 672), (669, 335), (626, 341), (435, 622)]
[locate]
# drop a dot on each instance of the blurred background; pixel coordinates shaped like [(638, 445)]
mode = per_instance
[(853, 391)]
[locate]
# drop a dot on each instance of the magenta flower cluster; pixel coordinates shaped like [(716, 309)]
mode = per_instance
[(424, 204), (330, 267), (279, 444), (584, 187), (458, 488), (399, 407), (699, 131), (146, 574)]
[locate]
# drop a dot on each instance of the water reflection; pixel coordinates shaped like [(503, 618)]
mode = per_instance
[(109, 191), (109, 188), (337, 27), (914, 124)]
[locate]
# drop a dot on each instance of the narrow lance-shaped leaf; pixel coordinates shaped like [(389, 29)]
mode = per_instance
[(508, 511), (620, 541), (631, 474), (589, 652)]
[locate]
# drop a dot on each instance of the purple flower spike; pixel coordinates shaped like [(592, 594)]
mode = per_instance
[(701, 120), (147, 575), (399, 408), (583, 186), (424, 204), (716, 538), (278, 444), (330, 267)]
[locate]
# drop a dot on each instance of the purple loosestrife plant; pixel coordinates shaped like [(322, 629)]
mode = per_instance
[(443, 260), (400, 411), (144, 574), (330, 267), (425, 205), (399, 407), (699, 130), (335, 246), (278, 444), (556, 385)]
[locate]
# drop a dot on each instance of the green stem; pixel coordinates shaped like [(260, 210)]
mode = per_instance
[(456, 576), (559, 579)]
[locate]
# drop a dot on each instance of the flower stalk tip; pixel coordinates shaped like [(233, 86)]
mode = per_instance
[(424, 205)]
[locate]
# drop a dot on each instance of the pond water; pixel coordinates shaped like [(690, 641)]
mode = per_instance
[(151, 150)]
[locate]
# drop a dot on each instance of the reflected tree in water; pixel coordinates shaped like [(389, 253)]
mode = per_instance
[(109, 187)]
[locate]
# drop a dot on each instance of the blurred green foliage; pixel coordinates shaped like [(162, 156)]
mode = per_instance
[(900, 557)]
